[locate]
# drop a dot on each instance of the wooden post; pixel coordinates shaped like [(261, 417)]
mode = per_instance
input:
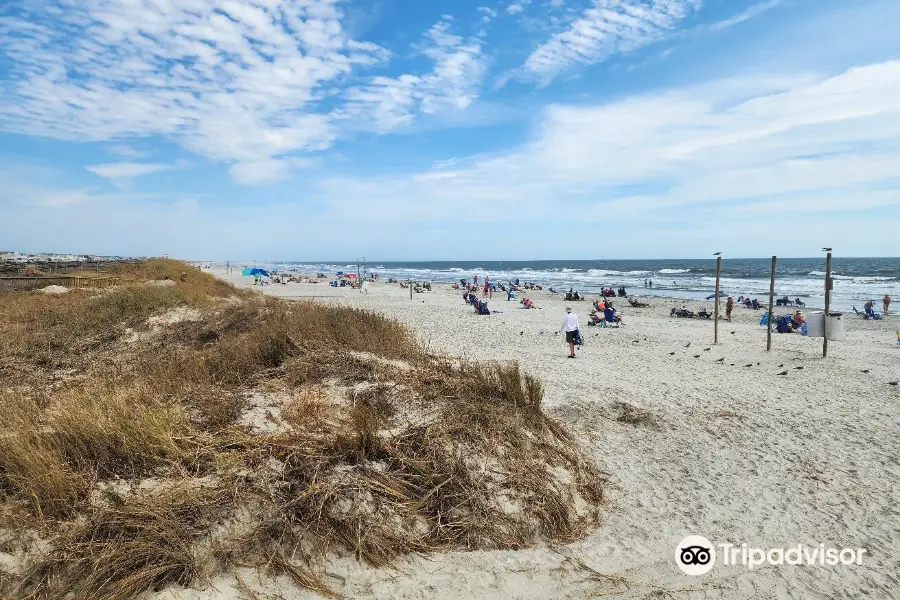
[(409, 281), (828, 286), (771, 307), (716, 315)]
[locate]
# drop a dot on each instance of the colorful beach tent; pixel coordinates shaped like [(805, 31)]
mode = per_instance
[(255, 271)]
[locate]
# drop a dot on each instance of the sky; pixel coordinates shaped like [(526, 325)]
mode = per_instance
[(450, 129)]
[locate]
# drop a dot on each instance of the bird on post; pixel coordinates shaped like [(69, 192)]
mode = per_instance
[(826, 249), (717, 253)]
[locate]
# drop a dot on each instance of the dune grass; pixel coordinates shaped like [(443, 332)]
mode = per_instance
[(476, 469)]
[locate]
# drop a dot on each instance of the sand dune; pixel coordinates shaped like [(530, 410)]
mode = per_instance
[(728, 449)]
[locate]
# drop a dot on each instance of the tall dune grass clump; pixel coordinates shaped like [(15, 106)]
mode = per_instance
[(121, 432), (118, 552), (33, 469)]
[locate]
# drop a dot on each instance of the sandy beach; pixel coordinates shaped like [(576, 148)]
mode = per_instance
[(695, 438)]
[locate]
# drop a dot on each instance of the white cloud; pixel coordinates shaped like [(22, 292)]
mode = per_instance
[(753, 11), (607, 28), (233, 80), (126, 170), (515, 8), (487, 14), (453, 83), (268, 171), (696, 153)]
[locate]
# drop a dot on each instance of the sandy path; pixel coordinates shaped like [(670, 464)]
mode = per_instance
[(737, 454)]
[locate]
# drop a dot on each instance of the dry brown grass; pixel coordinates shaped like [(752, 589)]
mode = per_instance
[(116, 432), (434, 455), (33, 469), (119, 552)]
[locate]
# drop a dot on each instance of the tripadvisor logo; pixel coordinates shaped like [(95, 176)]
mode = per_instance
[(696, 555)]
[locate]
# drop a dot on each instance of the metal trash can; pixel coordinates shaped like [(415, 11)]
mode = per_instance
[(815, 324), (834, 327)]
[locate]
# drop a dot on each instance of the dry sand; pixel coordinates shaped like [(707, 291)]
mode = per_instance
[(736, 453)]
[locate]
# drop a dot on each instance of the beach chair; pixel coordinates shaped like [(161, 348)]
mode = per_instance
[(611, 319), (784, 324)]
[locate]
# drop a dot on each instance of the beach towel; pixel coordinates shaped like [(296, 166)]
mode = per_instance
[(579, 341), (765, 319)]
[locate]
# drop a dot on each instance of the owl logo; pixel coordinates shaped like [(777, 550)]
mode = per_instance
[(695, 555)]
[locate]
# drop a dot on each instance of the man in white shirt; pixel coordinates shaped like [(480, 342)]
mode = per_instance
[(570, 326)]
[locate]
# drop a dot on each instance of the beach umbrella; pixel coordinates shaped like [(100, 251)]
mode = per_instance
[(256, 271), (246, 271)]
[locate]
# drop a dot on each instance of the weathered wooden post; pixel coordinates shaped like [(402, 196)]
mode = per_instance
[(829, 285), (716, 311), (771, 307)]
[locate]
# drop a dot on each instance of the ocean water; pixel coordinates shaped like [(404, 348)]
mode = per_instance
[(856, 280)]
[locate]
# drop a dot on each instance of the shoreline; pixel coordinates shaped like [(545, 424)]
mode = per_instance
[(729, 442), (812, 301)]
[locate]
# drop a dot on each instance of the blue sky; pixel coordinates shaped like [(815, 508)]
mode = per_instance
[(450, 129)]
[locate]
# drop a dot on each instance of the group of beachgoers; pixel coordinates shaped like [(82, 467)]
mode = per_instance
[(869, 309)]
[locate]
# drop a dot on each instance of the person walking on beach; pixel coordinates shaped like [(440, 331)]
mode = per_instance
[(887, 304), (570, 326), (729, 306)]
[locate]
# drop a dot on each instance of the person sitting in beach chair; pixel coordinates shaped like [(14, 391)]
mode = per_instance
[(481, 308), (798, 320), (554, 291), (682, 313), (784, 301), (595, 318), (756, 305), (747, 303), (527, 303), (510, 295), (784, 325), (611, 317), (637, 303), (704, 314), (622, 293), (799, 302)]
